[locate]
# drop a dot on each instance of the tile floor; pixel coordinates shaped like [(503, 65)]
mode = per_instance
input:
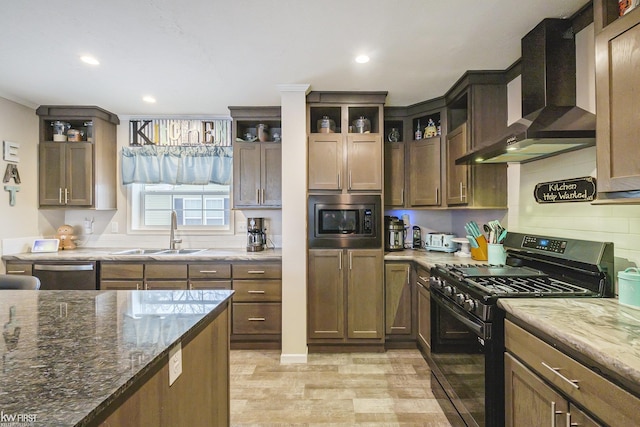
[(354, 389)]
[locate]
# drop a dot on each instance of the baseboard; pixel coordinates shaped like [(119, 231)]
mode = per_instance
[(290, 359)]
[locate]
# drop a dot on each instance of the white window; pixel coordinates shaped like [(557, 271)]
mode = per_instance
[(199, 207)]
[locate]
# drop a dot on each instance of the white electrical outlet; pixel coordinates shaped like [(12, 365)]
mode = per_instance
[(242, 226), (114, 227), (175, 363)]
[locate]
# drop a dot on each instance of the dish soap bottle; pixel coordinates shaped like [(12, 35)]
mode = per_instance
[(418, 132)]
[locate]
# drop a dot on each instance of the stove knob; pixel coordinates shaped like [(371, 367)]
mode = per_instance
[(448, 290), (470, 305), (435, 282), (460, 299)]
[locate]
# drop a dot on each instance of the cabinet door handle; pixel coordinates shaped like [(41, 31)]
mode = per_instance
[(572, 383), (66, 196), (255, 292), (437, 196), (255, 271), (350, 260), (16, 271), (402, 197), (262, 196), (60, 195), (408, 274), (554, 413), (137, 286), (257, 196), (349, 179), (339, 183), (208, 271), (340, 262), (256, 319), (461, 190)]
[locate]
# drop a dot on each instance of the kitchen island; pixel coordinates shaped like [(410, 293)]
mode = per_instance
[(87, 358)]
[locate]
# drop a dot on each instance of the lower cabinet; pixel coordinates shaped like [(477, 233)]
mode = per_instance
[(256, 311), (165, 276), (345, 297), (424, 310), (257, 305), (121, 276), (399, 298), (546, 387), (209, 275), (21, 268)]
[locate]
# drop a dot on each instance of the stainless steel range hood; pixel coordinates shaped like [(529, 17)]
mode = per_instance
[(552, 124)]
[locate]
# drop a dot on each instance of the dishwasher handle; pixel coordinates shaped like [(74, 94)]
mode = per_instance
[(64, 267)]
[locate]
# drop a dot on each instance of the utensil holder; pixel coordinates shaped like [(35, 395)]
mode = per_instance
[(480, 253), (496, 254)]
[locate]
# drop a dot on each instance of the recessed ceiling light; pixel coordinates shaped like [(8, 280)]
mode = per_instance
[(87, 59), (149, 99), (479, 160), (362, 59)]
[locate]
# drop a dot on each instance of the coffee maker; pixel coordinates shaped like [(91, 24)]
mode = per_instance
[(394, 233), (256, 236)]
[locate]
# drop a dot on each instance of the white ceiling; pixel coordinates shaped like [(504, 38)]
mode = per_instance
[(198, 57)]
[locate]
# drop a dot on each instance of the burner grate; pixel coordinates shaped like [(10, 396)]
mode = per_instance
[(526, 286)]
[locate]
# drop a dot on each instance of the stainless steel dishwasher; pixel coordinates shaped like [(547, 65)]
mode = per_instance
[(68, 276)]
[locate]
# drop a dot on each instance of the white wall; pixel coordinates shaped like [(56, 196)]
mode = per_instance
[(23, 222)]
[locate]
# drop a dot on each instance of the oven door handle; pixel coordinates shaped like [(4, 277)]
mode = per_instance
[(481, 330)]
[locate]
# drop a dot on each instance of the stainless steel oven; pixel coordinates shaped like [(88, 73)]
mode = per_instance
[(344, 221)]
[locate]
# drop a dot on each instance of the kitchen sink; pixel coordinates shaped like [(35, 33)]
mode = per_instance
[(180, 251), (138, 252), (158, 251)]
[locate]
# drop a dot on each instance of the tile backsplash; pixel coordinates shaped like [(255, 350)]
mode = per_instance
[(619, 224)]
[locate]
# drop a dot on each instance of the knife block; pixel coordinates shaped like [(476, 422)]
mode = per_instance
[(480, 253)]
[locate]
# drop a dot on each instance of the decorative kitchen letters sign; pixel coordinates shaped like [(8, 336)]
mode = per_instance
[(568, 190)]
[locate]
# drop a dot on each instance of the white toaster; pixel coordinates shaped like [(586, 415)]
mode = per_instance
[(442, 242)]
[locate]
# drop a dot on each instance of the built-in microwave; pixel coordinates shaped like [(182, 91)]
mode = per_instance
[(344, 221)]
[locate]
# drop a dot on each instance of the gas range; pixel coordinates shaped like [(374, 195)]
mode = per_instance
[(467, 328), (537, 266)]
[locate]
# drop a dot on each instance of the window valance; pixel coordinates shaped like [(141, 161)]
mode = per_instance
[(196, 165)]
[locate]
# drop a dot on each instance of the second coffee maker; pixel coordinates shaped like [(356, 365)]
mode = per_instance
[(256, 236)]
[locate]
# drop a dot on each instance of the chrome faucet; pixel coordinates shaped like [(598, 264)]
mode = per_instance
[(174, 227)]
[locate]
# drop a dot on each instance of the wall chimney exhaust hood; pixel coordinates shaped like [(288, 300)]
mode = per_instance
[(552, 124)]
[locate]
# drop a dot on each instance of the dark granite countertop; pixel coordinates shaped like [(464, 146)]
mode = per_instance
[(66, 355)]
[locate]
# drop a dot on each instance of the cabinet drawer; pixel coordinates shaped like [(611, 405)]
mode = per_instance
[(209, 284), (166, 271), (604, 399), (120, 271), (257, 271), (257, 290), (22, 268), (252, 318), (121, 285), (168, 285), (210, 271)]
